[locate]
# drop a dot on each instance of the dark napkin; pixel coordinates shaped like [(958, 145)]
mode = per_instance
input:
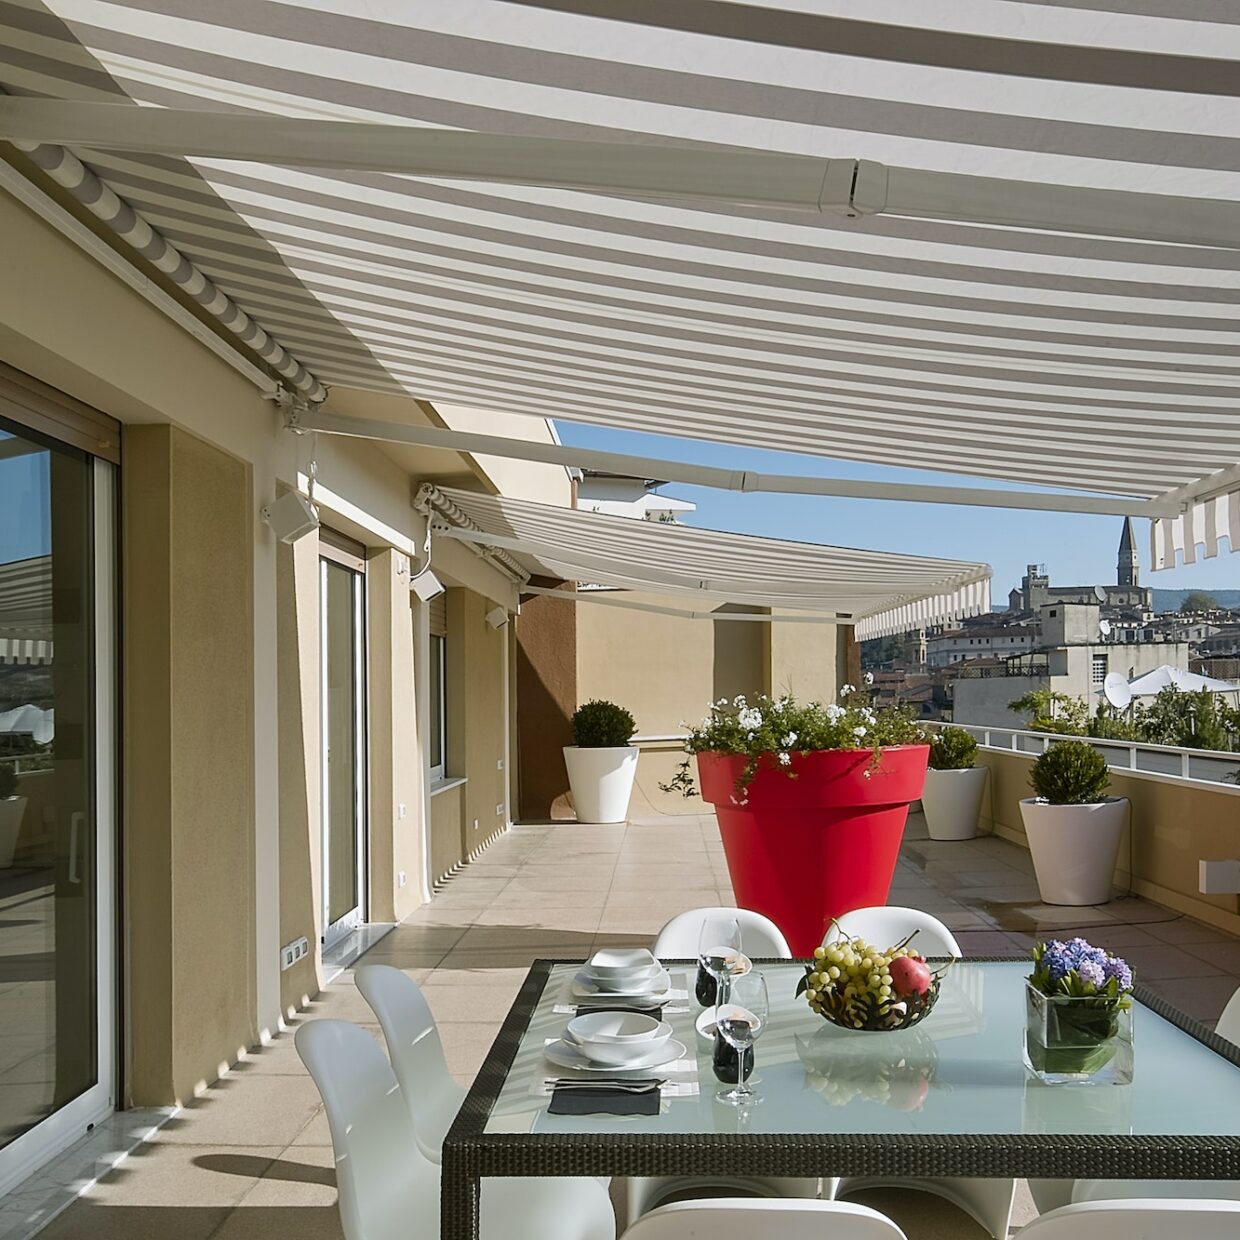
[(583, 1008), (601, 1100)]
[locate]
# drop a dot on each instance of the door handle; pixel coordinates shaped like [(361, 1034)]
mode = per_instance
[(75, 823)]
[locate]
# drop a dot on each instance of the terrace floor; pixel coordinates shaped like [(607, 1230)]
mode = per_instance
[(252, 1157)]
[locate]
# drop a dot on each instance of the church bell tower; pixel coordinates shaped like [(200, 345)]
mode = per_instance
[(1128, 568)]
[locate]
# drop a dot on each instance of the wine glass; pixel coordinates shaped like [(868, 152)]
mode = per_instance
[(719, 944), (741, 1021)]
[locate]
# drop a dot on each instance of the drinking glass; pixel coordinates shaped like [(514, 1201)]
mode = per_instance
[(719, 944), (741, 1021)]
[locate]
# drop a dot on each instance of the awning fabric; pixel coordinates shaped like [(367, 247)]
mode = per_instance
[(880, 592), (26, 611), (1096, 363), (1165, 677)]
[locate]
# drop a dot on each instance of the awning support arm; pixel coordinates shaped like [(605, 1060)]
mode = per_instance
[(725, 479), (608, 599)]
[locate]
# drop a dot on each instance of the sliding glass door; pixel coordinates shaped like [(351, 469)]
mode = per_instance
[(57, 769), (342, 637)]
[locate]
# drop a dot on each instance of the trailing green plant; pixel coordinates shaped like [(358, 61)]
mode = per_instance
[(8, 781), (952, 749), (1070, 773), (770, 731), (602, 725)]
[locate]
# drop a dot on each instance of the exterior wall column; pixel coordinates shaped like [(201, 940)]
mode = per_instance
[(188, 517)]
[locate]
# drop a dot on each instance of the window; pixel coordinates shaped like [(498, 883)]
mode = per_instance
[(439, 714), (437, 750), (1098, 669)]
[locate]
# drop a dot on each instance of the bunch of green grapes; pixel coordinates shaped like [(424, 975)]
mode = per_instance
[(851, 978)]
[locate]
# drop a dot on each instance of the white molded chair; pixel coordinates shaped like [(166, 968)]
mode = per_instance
[(416, 1052), (1229, 1022), (989, 1201), (1144, 1218), (760, 936), (389, 1190), (744, 1219), (884, 925)]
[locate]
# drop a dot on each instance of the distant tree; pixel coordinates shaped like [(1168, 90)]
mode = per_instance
[(1199, 600)]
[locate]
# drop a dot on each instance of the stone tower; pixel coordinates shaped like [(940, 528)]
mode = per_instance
[(1128, 567)]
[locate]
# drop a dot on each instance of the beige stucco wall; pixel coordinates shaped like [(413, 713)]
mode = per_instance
[(189, 773), (68, 322), (1175, 824), (667, 669)]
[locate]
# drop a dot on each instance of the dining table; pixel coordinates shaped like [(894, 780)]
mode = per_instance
[(951, 1096)]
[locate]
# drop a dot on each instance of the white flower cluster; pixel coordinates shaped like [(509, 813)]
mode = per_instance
[(848, 690), (868, 678), (749, 717), (785, 759), (835, 713)]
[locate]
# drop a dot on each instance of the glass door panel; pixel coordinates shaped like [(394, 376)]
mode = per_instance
[(344, 747), (55, 868)]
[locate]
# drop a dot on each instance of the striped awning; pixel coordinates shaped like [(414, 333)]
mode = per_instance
[(26, 610), (1101, 363), (878, 592)]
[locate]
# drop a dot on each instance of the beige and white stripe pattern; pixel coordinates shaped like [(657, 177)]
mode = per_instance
[(1094, 363), (878, 592), (26, 610)]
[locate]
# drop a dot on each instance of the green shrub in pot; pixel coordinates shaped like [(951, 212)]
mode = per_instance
[(1074, 829), (1070, 773), (601, 762), (952, 749), (602, 725)]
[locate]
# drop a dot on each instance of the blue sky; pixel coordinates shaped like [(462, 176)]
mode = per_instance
[(1077, 550), (24, 530)]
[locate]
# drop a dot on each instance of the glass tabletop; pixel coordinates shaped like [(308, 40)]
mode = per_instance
[(959, 1072)]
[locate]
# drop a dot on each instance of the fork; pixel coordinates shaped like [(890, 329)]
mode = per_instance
[(616, 1083)]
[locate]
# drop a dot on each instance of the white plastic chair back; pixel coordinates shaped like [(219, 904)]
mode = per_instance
[(1229, 1023), (744, 1218), (760, 936), (884, 925), (1126, 1190), (387, 1189), (431, 1094), (1144, 1218)]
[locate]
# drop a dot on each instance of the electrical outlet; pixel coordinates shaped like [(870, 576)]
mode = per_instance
[(401, 810), (402, 878), (499, 811), (475, 824), (499, 764), (292, 952)]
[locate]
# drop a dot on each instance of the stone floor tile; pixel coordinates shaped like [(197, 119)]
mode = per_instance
[(1186, 930), (1167, 960)]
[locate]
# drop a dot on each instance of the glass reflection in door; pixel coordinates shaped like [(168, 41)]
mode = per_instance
[(344, 745), (55, 987)]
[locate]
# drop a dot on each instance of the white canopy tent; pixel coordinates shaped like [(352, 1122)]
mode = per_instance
[(877, 592), (32, 721), (996, 239), (1165, 676)]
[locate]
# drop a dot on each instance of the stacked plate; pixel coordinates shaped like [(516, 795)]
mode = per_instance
[(631, 974), (615, 1041)]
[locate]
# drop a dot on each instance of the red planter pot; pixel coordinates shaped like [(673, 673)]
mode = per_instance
[(805, 850)]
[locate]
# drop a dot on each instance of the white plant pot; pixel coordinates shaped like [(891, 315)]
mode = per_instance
[(1074, 848), (602, 781), (952, 802), (11, 811)]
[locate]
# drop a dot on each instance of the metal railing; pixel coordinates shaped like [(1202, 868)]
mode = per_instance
[(1206, 765)]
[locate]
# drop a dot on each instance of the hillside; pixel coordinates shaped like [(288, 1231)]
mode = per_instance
[(1170, 600)]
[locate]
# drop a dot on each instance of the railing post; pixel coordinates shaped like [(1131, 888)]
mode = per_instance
[(986, 736), (1184, 764), (1132, 757)]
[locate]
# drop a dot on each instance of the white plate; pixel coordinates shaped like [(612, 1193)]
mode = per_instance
[(656, 989), (566, 1056), (705, 1024), (623, 1027)]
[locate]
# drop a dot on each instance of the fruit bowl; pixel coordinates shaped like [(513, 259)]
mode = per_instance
[(855, 986)]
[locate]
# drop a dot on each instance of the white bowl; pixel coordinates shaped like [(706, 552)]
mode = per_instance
[(622, 962), (617, 1038), (616, 1027)]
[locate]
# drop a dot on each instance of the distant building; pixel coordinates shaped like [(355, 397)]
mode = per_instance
[(1128, 595), (974, 641), (1074, 654)]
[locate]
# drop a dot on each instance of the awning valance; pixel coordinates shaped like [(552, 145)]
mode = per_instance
[(26, 610), (1102, 363), (879, 592)]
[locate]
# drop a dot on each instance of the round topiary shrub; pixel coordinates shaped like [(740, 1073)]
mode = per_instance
[(952, 749), (1071, 773), (602, 725)]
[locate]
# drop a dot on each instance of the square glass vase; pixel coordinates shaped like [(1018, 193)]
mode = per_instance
[(1072, 1041)]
